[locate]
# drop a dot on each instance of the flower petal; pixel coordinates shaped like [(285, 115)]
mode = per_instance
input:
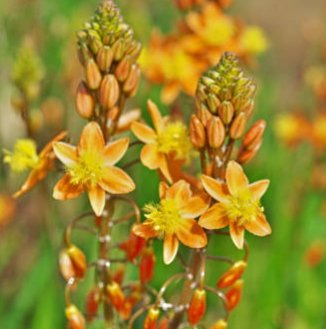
[(155, 115), (237, 235), (258, 189), (163, 187), (48, 147), (91, 138), (215, 189), (236, 179), (214, 218), (149, 156), (170, 248), (145, 231), (179, 191), (194, 207), (164, 167), (64, 190), (259, 226), (116, 181), (66, 153), (191, 234), (96, 197), (115, 151), (144, 133)]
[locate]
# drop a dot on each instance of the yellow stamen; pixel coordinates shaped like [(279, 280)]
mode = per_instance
[(23, 157), (88, 170)]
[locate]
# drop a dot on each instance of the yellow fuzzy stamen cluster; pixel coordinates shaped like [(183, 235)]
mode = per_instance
[(23, 157), (174, 138), (88, 170), (164, 217)]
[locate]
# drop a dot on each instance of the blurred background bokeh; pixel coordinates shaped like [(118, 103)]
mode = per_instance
[(285, 285)]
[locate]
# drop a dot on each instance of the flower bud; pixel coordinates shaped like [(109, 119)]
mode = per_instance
[(197, 306), (104, 58), (78, 261), (118, 49), (220, 324), (123, 69), (93, 74), (75, 319), (126, 309), (118, 274), (131, 84), (197, 132), (238, 126), (246, 155), (147, 265), (204, 115), (115, 295), (133, 246), (66, 267), (215, 132), (226, 112), (127, 119), (232, 275), (85, 103), (233, 296), (92, 303), (254, 135), (213, 103), (109, 91), (151, 318)]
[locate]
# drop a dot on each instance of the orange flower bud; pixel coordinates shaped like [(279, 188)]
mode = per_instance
[(75, 319), (197, 132), (151, 318), (127, 119), (233, 296), (126, 309), (254, 135), (232, 275), (66, 267), (104, 58), (131, 84), (164, 323), (226, 112), (238, 125), (109, 91), (116, 295), (215, 132), (118, 274), (247, 155), (93, 74), (220, 324), (213, 103), (92, 303), (85, 103), (118, 49), (146, 265), (72, 263), (204, 115), (123, 69), (197, 306), (133, 246)]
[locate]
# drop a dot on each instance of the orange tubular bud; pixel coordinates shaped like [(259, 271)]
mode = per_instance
[(254, 135), (147, 265), (204, 116), (131, 84), (220, 324), (164, 323), (215, 132), (238, 125), (226, 112), (116, 295), (123, 69), (119, 274), (247, 155), (151, 318), (75, 319), (232, 275), (109, 91), (85, 103), (93, 75), (197, 132), (197, 306), (92, 303), (133, 246), (66, 268), (127, 119), (213, 103), (78, 261), (118, 49), (104, 58), (126, 309), (233, 296)]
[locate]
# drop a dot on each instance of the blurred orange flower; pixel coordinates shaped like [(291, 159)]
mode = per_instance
[(238, 204), (173, 219), (90, 166)]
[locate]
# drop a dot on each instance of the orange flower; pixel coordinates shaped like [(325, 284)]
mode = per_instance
[(238, 204), (169, 139), (173, 219), (90, 166), (25, 157)]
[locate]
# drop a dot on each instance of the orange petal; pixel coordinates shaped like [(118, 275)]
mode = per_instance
[(191, 234), (91, 137), (64, 190), (259, 226), (163, 189), (237, 235), (155, 115), (194, 207), (215, 189), (236, 179), (214, 218), (66, 153), (165, 168), (144, 133), (259, 188), (179, 191), (115, 151), (145, 231), (170, 92), (96, 197), (170, 248), (149, 156), (116, 181), (48, 147)]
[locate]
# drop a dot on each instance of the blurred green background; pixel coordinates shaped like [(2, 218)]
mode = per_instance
[(281, 289)]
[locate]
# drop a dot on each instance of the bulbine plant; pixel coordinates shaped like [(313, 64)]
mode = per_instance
[(203, 188)]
